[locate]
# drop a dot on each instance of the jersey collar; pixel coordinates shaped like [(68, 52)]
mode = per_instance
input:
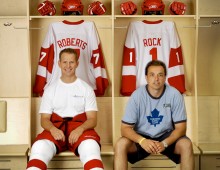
[(152, 22), (73, 23)]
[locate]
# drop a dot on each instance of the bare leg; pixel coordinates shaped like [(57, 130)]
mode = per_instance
[(122, 147), (185, 149)]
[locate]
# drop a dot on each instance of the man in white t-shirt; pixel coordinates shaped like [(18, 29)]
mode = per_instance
[(154, 122), (68, 116)]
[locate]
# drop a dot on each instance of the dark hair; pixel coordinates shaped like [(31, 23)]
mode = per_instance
[(156, 63), (70, 51)]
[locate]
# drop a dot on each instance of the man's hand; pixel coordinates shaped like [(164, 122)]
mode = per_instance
[(57, 134), (152, 146), (75, 134)]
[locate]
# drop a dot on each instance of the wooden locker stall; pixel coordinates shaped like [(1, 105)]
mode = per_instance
[(185, 26), (15, 84), (38, 29), (208, 84)]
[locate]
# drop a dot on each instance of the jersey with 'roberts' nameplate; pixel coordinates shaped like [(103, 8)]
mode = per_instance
[(82, 36)]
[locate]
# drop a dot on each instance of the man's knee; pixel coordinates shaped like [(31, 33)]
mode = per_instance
[(123, 144), (90, 156), (184, 145), (43, 150)]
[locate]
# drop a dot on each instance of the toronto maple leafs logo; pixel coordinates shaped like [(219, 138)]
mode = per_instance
[(155, 119)]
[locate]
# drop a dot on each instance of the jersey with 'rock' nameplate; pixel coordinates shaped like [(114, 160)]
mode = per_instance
[(81, 36), (151, 40)]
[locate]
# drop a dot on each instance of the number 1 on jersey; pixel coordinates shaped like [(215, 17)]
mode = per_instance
[(153, 53), (130, 54)]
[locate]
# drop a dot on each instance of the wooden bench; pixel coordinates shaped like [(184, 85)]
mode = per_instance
[(210, 156), (67, 160), (158, 162), (13, 157)]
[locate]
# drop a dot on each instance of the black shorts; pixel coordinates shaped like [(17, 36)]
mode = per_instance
[(169, 151)]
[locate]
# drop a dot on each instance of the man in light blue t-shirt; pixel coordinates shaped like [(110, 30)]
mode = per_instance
[(154, 122)]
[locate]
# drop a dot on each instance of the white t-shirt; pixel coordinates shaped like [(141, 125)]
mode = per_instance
[(68, 99)]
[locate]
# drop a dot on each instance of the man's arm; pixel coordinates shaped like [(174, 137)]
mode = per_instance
[(149, 145), (128, 132), (48, 125), (179, 131), (90, 123)]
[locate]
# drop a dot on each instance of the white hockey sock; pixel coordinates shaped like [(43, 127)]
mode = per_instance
[(43, 150), (89, 152)]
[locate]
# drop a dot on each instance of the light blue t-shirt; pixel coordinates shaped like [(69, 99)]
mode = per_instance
[(155, 116)]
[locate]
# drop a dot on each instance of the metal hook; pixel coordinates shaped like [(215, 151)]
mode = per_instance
[(7, 24), (215, 22)]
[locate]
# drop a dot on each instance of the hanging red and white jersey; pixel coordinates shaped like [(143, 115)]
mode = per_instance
[(81, 36), (151, 40)]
